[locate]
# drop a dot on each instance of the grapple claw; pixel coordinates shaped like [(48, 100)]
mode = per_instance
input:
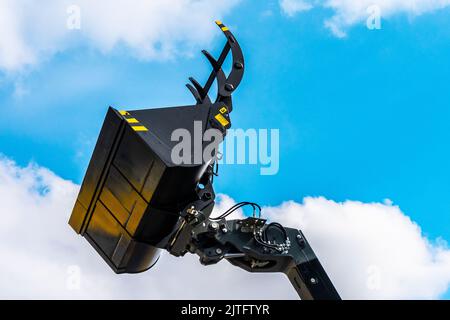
[(194, 93), (198, 87), (211, 60), (237, 69), (226, 84), (220, 75)]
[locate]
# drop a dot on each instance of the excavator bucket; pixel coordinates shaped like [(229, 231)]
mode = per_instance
[(133, 192)]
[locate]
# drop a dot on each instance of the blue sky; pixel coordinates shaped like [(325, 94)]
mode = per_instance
[(364, 117)]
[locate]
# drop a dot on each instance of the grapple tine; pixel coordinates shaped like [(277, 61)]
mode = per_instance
[(194, 93), (197, 96), (220, 75), (198, 87), (237, 69), (211, 60)]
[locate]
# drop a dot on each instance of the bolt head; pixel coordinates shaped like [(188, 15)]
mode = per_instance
[(229, 87), (207, 196), (214, 225), (238, 65), (219, 251)]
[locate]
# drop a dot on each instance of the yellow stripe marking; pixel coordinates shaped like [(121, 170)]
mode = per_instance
[(124, 113), (132, 120), (223, 110), (224, 122), (139, 128), (218, 22), (224, 28)]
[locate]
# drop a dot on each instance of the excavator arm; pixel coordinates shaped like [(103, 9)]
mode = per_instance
[(255, 246)]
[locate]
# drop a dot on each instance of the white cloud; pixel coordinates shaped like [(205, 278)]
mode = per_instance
[(371, 250), (291, 7), (347, 13), (150, 29), (38, 249)]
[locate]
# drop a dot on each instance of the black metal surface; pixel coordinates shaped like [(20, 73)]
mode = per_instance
[(136, 200), (131, 196), (234, 240), (226, 84)]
